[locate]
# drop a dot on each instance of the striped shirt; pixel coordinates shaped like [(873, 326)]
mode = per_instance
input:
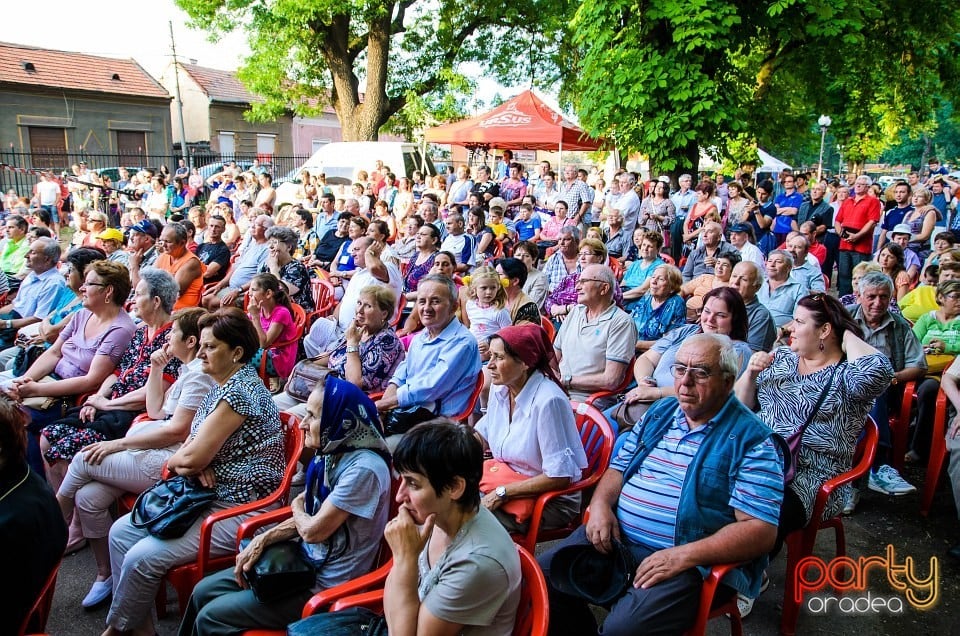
[(647, 507)]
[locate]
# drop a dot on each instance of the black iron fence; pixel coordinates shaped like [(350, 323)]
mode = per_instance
[(19, 170)]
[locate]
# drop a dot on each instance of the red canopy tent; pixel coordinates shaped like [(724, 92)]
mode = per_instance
[(523, 123)]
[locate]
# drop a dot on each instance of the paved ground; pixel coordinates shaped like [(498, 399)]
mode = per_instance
[(879, 521)]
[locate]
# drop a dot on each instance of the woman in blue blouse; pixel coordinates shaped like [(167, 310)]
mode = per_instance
[(661, 309)]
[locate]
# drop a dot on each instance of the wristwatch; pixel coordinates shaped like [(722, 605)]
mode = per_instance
[(352, 349), (500, 492), (567, 381)]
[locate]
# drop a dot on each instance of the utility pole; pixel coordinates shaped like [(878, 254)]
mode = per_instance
[(184, 153)]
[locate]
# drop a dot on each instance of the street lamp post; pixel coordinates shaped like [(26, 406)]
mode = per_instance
[(824, 123)]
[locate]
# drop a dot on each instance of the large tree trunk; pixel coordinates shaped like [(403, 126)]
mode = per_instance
[(688, 161)]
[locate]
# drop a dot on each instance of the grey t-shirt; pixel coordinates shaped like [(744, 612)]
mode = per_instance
[(476, 581), (360, 483)]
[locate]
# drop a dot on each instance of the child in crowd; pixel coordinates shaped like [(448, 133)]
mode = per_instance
[(271, 311), (486, 307), (527, 224)]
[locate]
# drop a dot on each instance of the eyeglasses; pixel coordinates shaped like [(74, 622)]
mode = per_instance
[(590, 280), (698, 374)]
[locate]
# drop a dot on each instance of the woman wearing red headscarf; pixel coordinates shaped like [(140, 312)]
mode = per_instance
[(530, 431)]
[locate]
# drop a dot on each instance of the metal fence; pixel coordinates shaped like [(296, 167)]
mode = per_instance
[(18, 169)]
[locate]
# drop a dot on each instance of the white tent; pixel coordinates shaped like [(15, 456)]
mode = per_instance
[(769, 163)]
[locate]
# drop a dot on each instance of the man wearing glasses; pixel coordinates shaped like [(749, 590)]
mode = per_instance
[(596, 341), (699, 481)]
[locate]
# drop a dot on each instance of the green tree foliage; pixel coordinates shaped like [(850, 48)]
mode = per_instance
[(944, 141), (373, 60), (665, 77)]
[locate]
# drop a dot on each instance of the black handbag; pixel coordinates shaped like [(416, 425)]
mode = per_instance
[(280, 571), (400, 420), (168, 508)]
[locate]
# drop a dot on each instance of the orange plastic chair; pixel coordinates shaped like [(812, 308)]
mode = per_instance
[(300, 320), (800, 542), (533, 613), (36, 620), (184, 577), (938, 454), (598, 439), (472, 402), (401, 305), (707, 611), (620, 388)]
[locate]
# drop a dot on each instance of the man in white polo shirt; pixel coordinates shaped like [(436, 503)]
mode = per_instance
[(596, 341)]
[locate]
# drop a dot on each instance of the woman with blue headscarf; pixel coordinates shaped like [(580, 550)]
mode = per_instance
[(338, 520)]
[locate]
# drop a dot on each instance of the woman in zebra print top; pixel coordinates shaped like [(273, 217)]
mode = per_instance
[(786, 384)]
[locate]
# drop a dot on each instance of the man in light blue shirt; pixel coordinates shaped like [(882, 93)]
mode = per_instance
[(683, 199), (806, 268), (443, 362), (253, 254), (39, 291), (780, 293)]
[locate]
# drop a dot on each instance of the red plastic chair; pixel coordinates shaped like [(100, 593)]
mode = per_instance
[(598, 439), (472, 402), (184, 577), (533, 613), (548, 327), (617, 267), (707, 611), (666, 258), (300, 320), (800, 542), (324, 299), (36, 620), (620, 388), (900, 425), (401, 305), (938, 454)]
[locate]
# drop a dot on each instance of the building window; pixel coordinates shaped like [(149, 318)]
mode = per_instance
[(131, 148), (48, 147), (266, 147), (227, 145), (317, 144)]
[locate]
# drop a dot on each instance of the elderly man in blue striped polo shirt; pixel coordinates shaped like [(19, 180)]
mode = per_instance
[(699, 481)]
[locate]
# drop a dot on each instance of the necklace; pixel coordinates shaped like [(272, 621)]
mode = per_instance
[(19, 483)]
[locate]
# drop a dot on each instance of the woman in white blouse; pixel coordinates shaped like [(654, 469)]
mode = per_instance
[(529, 426)]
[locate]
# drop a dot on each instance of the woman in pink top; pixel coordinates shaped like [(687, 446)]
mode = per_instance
[(272, 314)]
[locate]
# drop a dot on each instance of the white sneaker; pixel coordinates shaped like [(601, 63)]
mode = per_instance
[(851, 500), (888, 481), (99, 592), (745, 603)]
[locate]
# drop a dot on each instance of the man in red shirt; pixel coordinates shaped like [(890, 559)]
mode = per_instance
[(854, 223)]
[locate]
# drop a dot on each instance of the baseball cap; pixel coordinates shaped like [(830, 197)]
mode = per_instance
[(901, 228), (740, 227), (145, 227), (111, 234), (497, 202)]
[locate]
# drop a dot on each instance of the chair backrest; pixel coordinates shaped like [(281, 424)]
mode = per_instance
[(616, 266), (548, 327), (597, 438), (299, 318), (292, 448), (36, 619), (323, 296), (401, 305), (533, 612), (474, 396)]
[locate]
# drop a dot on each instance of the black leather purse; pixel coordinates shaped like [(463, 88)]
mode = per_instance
[(168, 508), (280, 571)]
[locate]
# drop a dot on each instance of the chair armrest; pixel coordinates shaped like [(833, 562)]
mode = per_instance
[(372, 600), (533, 530), (206, 528), (358, 585), (251, 525)]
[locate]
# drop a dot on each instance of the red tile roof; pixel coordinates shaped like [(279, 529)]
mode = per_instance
[(220, 86), (77, 71)]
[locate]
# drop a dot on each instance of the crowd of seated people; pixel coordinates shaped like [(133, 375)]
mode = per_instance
[(405, 311)]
